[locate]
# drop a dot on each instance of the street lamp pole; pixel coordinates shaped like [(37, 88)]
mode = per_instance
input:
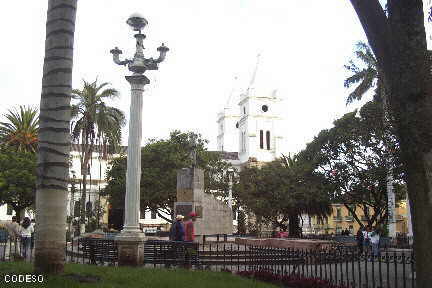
[(230, 179), (138, 65)]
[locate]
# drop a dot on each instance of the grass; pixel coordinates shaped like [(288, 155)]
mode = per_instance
[(130, 277)]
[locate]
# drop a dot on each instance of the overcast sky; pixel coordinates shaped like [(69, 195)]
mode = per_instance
[(303, 44)]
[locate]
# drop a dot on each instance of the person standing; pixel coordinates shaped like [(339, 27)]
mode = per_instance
[(33, 224), (189, 227), (3, 241), (375, 239), (14, 233), (191, 250), (26, 231), (177, 231), (359, 238), (366, 239)]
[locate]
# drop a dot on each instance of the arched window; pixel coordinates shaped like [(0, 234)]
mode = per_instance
[(268, 140), (261, 139)]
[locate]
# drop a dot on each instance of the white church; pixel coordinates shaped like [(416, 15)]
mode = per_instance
[(250, 129)]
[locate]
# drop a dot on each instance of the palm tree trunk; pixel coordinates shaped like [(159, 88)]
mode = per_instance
[(54, 138), (83, 201), (86, 155)]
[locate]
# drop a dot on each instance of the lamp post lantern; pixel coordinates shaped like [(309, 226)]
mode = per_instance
[(138, 65)]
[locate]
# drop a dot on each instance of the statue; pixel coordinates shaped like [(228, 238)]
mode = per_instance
[(193, 146)]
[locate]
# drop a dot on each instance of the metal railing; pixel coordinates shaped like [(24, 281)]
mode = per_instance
[(341, 264)]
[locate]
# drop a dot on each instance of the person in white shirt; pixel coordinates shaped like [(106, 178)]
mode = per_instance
[(366, 239), (26, 231), (375, 239)]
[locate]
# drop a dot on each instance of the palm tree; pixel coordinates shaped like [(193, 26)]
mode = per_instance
[(96, 124), (21, 128), (368, 77), (54, 138), (365, 77)]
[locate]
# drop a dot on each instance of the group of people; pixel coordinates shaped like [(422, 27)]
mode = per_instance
[(368, 238), (183, 230), (345, 232), (23, 232)]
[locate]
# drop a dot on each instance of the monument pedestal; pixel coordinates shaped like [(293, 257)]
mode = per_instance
[(130, 247), (213, 215)]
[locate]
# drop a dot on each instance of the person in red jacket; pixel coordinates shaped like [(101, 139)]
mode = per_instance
[(189, 227)]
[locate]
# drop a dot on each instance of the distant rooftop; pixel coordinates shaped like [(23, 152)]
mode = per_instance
[(227, 155)]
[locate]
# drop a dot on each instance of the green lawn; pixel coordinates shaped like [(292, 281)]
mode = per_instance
[(130, 277)]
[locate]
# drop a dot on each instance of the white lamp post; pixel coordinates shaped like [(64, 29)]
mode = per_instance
[(138, 65), (230, 178)]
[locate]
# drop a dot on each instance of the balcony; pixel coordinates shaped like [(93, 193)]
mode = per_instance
[(337, 218), (363, 218), (349, 218)]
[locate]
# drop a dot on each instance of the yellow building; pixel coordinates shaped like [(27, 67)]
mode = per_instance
[(341, 219)]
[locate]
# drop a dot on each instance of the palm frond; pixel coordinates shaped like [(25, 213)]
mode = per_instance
[(97, 122)]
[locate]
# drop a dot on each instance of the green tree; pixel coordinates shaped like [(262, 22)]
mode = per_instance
[(370, 76), (398, 40), (280, 191), (353, 156), (160, 161), (54, 138), (17, 179), (97, 124), (21, 128)]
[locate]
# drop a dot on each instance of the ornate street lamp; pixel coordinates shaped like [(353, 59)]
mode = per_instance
[(138, 65)]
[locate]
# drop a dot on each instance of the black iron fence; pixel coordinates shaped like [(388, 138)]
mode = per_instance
[(346, 265), (400, 241)]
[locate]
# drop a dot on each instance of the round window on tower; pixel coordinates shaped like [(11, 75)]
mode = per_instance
[(264, 108)]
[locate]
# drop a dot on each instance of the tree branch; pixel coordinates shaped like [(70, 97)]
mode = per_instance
[(375, 24)]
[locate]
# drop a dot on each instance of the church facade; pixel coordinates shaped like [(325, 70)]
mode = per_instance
[(250, 127)]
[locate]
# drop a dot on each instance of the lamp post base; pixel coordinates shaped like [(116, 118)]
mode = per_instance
[(130, 247)]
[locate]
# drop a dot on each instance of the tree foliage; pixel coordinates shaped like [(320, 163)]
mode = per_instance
[(20, 130), (280, 191), (160, 161), (17, 178), (354, 156), (364, 74)]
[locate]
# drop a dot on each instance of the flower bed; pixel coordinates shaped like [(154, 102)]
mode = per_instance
[(291, 281)]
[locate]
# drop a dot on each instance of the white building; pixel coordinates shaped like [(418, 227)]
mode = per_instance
[(249, 124), (98, 167)]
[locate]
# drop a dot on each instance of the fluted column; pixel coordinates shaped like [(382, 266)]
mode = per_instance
[(133, 173)]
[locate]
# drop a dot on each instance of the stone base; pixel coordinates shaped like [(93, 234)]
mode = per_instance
[(130, 247)]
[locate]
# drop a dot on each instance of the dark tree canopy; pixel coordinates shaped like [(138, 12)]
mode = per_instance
[(17, 178), (354, 156), (280, 191)]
